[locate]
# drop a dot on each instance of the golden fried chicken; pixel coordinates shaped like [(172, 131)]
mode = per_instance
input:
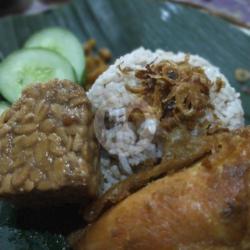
[(203, 207)]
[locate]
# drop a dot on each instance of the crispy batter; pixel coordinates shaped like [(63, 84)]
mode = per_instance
[(105, 54), (96, 63), (203, 207), (89, 46)]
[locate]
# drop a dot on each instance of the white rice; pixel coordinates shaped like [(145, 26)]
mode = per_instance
[(109, 93)]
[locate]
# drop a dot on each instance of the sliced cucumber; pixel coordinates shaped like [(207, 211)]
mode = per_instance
[(63, 42), (3, 106), (28, 66)]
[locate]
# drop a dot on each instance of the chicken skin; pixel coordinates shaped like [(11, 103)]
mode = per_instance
[(205, 206)]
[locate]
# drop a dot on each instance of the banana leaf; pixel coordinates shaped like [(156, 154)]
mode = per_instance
[(120, 25)]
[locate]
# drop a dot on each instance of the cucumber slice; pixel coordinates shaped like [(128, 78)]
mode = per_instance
[(28, 66), (63, 42), (3, 106)]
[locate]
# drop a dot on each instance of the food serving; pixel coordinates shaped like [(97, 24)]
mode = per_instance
[(180, 98), (180, 93), (202, 207), (48, 150), (152, 148)]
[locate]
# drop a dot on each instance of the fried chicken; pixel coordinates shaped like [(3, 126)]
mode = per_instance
[(205, 206)]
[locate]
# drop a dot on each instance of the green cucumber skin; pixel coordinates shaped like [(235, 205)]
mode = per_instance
[(12, 67), (63, 42), (3, 106)]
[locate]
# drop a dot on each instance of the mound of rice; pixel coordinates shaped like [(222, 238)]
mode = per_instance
[(109, 94)]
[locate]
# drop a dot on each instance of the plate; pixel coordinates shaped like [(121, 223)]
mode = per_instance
[(121, 26)]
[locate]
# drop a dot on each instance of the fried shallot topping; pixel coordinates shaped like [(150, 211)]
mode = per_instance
[(177, 92)]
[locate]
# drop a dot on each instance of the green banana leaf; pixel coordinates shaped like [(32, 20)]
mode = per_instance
[(120, 25)]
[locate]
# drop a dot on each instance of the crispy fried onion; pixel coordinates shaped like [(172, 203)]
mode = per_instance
[(178, 92)]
